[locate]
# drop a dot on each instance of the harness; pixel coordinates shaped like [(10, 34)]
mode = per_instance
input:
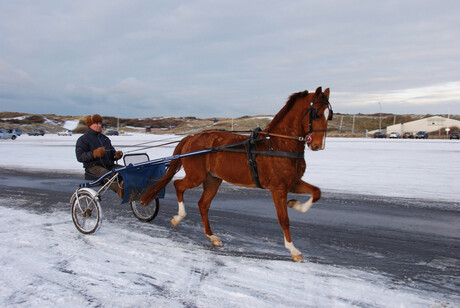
[(250, 143), (313, 115), (251, 152)]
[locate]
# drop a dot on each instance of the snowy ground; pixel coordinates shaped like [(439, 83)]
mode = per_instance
[(46, 262), (427, 169)]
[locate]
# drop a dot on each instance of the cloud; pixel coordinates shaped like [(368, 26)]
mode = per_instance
[(228, 58), (14, 81), (441, 98)]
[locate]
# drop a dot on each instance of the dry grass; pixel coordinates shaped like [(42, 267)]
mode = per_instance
[(343, 125)]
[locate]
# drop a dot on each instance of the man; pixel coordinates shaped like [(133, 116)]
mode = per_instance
[(96, 152)]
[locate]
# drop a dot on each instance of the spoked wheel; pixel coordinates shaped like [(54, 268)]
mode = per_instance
[(86, 212), (145, 212)]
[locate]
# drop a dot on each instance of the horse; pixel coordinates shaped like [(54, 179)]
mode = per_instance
[(279, 161)]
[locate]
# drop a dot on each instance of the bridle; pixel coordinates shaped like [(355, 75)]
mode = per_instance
[(313, 115)]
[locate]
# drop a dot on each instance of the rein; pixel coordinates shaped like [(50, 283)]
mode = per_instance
[(251, 152), (313, 115), (153, 146), (300, 139)]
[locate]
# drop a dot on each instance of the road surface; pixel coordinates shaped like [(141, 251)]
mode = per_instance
[(415, 242)]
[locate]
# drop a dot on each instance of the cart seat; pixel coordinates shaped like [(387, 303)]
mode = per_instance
[(135, 158)]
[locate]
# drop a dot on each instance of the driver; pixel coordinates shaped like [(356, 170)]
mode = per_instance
[(96, 152)]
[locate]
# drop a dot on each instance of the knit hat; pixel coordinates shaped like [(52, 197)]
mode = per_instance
[(90, 120)]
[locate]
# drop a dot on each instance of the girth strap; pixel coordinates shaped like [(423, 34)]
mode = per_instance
[(251, 152), (250, 146)]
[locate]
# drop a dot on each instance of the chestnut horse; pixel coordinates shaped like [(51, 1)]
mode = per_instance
[(303, 120)]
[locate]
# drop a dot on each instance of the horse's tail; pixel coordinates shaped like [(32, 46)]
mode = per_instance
[(173, 168)]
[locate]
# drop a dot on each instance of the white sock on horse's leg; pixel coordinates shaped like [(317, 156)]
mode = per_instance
[(295, 254), (181, 213), (301, 207)]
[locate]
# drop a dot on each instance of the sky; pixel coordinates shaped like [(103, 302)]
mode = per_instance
[(227, 58)]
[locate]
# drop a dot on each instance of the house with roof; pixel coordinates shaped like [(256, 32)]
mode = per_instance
[(430, 124)]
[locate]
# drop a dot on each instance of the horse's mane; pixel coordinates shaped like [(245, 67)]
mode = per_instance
[(289, 104)]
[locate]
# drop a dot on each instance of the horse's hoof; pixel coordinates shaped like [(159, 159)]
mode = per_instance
[(174, 222), (292, 202), (297, 258), (215, 241)]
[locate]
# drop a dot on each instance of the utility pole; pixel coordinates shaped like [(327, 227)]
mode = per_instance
[(380, 117), (341, 121), (353, 127), (448, 124)]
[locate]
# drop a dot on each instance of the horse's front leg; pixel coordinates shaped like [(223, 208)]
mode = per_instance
[(279, 198), (304, 188)]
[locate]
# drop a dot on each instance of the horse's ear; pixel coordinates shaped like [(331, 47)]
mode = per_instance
[(318, 91), (326, 92)]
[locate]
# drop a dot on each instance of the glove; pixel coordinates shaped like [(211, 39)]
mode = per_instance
[(99, 152), (118, 155)]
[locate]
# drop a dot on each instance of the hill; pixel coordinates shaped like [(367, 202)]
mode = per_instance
[(343, 125)]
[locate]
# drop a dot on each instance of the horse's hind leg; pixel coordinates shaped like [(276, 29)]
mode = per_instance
[(279, 198), (210, 187), (181, 186), (304, 188)]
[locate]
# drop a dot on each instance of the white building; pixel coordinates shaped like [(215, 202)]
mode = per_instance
[(431, 124)]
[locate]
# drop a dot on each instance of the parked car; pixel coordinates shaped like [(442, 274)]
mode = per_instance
[(380, 135), (454, 135), (37, 132), (6, 134), (112, 133), (15, 131), (395, 135), (66, 132), (421, 135), (408, 135)]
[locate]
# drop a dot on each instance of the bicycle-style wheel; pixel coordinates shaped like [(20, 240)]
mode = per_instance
[(145, 212), (86, 212)]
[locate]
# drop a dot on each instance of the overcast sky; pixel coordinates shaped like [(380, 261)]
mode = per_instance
[(227, 58)]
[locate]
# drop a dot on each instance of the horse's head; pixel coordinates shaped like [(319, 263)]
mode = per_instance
[(318, 113)]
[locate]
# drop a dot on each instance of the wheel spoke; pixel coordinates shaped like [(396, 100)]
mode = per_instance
[(86, 213)]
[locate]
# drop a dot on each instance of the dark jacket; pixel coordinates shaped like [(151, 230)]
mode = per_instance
[(90, 141)]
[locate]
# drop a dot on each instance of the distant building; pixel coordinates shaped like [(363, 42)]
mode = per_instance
[(431, 124)]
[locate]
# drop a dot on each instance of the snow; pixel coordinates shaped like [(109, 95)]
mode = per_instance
[(44, 261), (426, 169), (71, 124)]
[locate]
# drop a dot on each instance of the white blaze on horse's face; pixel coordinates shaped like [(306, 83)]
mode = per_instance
[(326, 113), (326, 117), (323, 144), (318, 133)]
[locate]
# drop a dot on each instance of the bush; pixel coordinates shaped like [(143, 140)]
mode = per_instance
[(81, 129)]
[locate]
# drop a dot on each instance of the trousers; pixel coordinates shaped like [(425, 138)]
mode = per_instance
[(99, 171)]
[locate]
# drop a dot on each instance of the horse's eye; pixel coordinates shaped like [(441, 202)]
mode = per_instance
[(314, 114)]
